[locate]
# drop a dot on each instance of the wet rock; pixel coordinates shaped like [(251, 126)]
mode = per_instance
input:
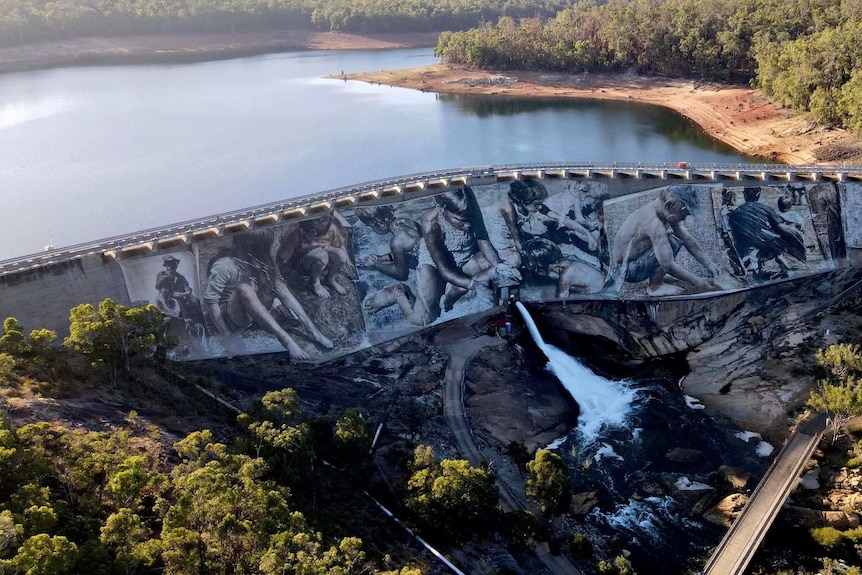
[(726, 510), (651, 489), (703, 504), (736, 477), (684, 455), (810, 480), (583, 503)]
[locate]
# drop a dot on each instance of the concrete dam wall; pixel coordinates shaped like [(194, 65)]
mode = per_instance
[(327, 275)]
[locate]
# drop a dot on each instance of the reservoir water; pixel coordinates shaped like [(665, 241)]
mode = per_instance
[(92, 152)]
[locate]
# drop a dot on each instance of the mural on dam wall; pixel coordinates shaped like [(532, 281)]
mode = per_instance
[(170, 282), (282, 288), (851, 199), (435, 258), (326, 286)]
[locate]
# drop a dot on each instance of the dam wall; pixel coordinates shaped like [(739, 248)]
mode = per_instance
[(329, 274)]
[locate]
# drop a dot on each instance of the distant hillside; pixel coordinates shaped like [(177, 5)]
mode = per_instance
[(29, 21)]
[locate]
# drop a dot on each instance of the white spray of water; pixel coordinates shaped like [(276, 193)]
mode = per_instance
[(693, 403), (603, 403)]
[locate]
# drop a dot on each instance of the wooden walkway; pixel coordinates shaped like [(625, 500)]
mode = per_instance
[(735, 551)]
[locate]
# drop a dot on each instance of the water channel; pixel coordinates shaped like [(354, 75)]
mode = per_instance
[(91, 152)]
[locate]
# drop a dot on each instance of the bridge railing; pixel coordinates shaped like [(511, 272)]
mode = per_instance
[(154, 234)]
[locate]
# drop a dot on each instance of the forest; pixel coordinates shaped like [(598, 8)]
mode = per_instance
[(29, 21), (804, 54)]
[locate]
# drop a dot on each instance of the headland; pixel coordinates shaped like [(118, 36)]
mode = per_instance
[(740, 116)]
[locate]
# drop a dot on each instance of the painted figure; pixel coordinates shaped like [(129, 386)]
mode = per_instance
[(527, 216), (245, 289), (728, 204), (319, 247), (455, 258), (175, 295), (761, 235), (403, 253), (827, 220), (543, 259), (646, 245), (790, 217)]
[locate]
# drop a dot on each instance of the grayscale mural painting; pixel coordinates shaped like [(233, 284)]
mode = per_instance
[(326, 286), (851, 198), (170, 282), (283, 288), (664, 242)]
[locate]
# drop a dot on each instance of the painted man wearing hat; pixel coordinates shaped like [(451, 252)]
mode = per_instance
[(646, 245), (174, 289)]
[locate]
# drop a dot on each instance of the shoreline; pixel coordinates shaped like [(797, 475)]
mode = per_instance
[(185, 48), (739, 116)]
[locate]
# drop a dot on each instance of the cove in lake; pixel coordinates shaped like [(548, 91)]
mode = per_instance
[(99, 151)]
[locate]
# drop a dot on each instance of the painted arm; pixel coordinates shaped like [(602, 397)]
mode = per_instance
[(507, 210), (216, 315), (694, 248), (664, 254), (567, 222), (442, 258)]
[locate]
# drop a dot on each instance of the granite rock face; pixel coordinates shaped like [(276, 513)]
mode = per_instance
[(749, 352)]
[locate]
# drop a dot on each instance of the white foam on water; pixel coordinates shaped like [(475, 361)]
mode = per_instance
[(746, 435), (607, 451), (686, 484), (764, 449), (693, 403), (602, 402), (555, 444)]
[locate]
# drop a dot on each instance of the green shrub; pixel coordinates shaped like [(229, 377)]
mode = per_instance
[(620, 566), (853, 535), (854, 462), (827, 537)]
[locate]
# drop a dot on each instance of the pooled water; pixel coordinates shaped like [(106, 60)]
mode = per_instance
[(603, 403)]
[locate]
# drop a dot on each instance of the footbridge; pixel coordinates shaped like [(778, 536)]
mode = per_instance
[(739, 544), (662, 257)]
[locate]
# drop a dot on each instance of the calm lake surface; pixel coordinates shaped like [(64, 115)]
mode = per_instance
[(92, 152)]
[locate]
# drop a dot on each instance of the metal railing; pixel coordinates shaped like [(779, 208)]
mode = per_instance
[(67, 253)]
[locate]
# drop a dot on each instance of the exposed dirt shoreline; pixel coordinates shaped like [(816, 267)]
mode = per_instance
[(739, 116), (194, 47)]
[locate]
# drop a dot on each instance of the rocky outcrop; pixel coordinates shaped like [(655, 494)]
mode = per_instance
[(734, 476), (749, 352), (810, 518), (727, 510), (583, 503)]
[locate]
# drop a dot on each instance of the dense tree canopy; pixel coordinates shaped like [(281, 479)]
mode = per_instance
[(114, 334), (451, 497), (839, 394), (25, 21), (119, 501), (805, 54), (548, 482)]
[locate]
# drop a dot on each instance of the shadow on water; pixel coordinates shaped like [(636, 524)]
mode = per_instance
[(643, 121)]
